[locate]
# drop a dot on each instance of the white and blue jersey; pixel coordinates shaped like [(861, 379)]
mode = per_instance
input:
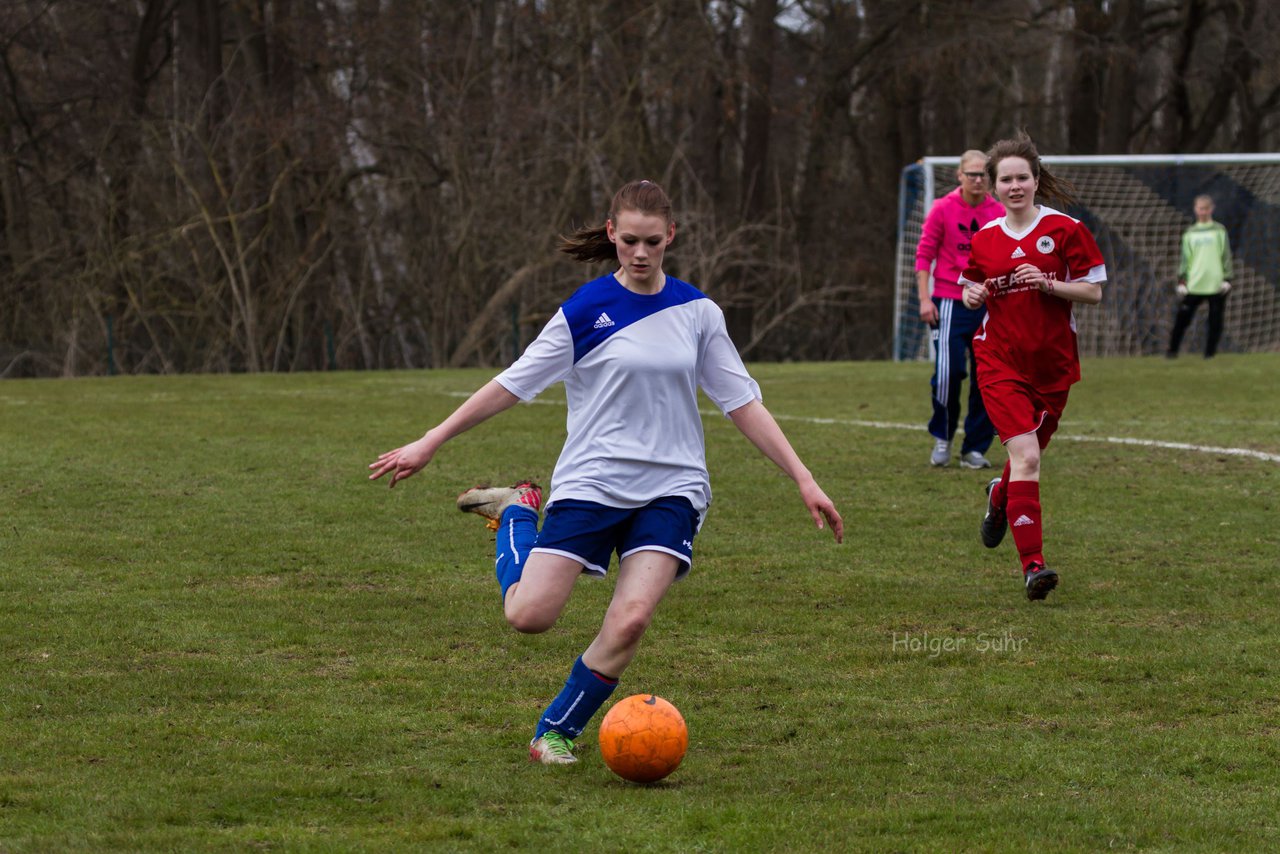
[(632, 365)]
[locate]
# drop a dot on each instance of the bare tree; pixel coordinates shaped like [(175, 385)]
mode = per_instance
[(209, 185)]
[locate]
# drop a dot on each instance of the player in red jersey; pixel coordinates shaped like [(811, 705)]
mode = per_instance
[(1027, 267)]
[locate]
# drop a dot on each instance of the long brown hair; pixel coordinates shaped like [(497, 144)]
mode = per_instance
[(591, 243), (1054, 188)]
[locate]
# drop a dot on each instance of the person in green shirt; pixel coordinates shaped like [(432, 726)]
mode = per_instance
[(1203, 274)]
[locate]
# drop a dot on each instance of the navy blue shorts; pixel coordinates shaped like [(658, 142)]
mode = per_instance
[(590, 533)]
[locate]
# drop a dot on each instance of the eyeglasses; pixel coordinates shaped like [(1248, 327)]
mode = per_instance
[(977, 176)]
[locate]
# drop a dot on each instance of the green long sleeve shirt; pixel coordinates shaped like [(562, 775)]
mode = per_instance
[(1206, 258)]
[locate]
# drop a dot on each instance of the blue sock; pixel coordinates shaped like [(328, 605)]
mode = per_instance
[(582, 696), (517, 532)]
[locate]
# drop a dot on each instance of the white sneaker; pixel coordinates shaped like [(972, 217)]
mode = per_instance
[(941, 455), (974, 460)]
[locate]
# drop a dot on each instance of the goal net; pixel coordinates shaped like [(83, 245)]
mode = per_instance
[(1137, 208)]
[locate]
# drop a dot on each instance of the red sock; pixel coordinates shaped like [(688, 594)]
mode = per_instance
[(1000, 492), (608, 680), (1024, 520)]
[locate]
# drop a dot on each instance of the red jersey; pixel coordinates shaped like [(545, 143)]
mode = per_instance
[(1029, 335)]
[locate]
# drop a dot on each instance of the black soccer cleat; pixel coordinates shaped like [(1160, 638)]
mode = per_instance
[(996, 522), (1040, 580)]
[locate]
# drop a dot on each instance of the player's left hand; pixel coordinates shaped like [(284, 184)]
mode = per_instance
[(1226, 286), (822, 508), (1029, 274)]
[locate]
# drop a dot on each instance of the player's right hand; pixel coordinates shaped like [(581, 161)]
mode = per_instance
[(975, 295), (403, 462), (1181, 288), (929, 312)]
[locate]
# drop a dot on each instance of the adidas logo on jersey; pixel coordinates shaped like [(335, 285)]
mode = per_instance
[(602, 321), (1018, 253), (1024, 519)]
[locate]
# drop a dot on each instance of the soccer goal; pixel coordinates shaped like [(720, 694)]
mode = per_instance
[(1137, 207)]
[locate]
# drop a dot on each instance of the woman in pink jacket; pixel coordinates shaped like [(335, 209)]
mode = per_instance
[(943, 250)]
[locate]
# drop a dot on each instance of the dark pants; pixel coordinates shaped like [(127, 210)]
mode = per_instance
[(953, 346), (1187, 310)]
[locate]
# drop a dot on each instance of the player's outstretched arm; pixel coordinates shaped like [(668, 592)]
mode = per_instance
[(757, 424), (410, 459)]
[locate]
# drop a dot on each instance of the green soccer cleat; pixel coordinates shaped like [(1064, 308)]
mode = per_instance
[(491, 501), (552, 748)]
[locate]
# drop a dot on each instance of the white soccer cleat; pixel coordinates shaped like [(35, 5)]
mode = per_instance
[(491, 501), (552, 748)]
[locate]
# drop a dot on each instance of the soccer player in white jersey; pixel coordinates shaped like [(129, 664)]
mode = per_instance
[(1028, 267), (632, 349)]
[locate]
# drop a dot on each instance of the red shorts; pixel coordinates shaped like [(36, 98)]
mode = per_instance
[(1016, 409)]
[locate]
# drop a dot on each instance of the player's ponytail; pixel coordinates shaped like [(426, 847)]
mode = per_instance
[(1055, 189), (591, 243), (588, 244)]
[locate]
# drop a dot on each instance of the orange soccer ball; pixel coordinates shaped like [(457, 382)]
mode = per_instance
[(643, 738)]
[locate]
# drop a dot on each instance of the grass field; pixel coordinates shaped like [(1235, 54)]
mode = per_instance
[(217, 635)]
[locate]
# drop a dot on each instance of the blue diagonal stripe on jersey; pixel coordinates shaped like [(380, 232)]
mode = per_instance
[(606, 295)]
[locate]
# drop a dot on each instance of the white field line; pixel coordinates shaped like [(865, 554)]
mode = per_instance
[(1064, 437), (919, 428)]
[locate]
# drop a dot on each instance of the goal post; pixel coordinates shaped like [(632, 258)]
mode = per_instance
[(1137, 207)]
